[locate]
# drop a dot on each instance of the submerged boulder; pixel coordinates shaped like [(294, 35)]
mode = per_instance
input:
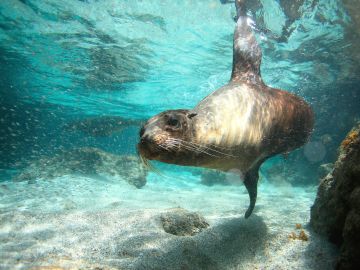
[(181, 222), (86, 161), (336, 211)]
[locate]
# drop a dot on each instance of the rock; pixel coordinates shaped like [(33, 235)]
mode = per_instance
[(86, 161), (181, 222), (325, 169), (336, 211), (131, 168)]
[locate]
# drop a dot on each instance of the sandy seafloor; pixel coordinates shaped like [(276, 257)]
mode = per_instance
[(77, 222)]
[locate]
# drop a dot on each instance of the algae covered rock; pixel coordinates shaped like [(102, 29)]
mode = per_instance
[(86, 161), (181, 222), (336, 211)]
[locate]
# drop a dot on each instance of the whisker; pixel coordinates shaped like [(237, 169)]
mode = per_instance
[(214, 150), (194, 148), (205, 147), (164, 147), (149, 166), (181, 144), (145, 162)]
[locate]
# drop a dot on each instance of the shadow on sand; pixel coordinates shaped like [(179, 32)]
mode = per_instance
[(225, 245)]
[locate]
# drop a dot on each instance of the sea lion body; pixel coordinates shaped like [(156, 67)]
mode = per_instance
[(238, 126), (251, 122)]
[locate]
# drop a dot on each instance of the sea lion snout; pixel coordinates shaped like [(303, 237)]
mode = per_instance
[(147, 145), (153, 138), (164, 133), (149, 139)]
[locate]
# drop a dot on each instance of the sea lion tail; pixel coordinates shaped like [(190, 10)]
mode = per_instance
[(250, 182), (240, 9), (246, 50)]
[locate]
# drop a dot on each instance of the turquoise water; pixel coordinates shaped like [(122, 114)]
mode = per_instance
[(66, 61)]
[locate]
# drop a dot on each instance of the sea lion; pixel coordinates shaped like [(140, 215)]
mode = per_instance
[(238, 126)]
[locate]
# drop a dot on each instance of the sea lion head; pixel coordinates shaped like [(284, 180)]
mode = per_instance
[(166, 136)]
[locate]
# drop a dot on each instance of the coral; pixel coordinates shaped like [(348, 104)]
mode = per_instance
[(350, 139), (292, 236), (301, 236)]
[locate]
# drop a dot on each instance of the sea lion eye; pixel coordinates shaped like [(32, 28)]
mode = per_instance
[(173, 122)]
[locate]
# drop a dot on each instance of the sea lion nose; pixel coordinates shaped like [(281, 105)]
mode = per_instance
[(145, 139), (144, 136)]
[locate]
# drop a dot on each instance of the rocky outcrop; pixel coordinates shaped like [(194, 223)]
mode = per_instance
[(86, 161), (336, 211), (181, 222), (325, 169)]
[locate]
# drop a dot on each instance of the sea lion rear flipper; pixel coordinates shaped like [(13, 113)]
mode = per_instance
[(246, 50), (250, 182)]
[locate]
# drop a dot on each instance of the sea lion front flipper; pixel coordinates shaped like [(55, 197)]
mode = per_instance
[(246, 50), (250, 182)]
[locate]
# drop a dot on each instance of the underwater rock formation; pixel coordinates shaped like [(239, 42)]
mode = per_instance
[(181, 222), (88, 161), (325, 169), (336, 211), (102, 125)]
